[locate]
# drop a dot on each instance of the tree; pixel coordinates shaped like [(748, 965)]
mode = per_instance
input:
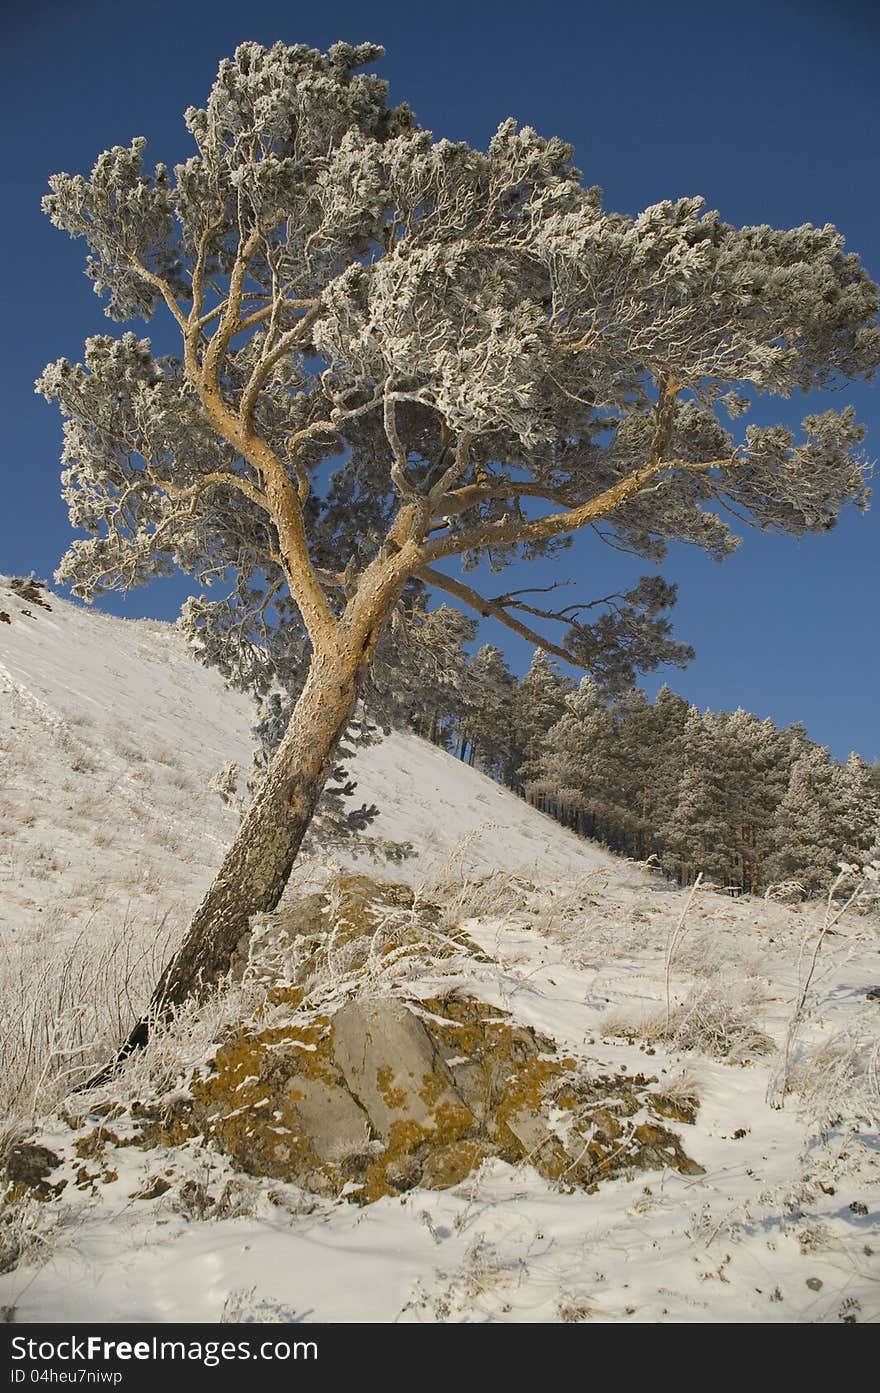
[(696, 834), (492, 360), (859, 800), (810, 832), (760, 770), (574, 770), (486, 730), (539, 702)]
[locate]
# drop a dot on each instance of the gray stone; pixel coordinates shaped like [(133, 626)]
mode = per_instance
[(531, 1130), (391, 1064), (331, 1119)]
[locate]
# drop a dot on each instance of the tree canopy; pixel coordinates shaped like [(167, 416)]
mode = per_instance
[(397, 350)]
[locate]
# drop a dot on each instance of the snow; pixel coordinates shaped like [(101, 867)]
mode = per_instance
[(112, 734)]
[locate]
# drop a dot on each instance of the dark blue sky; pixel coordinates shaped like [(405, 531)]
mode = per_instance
[(769, 110)]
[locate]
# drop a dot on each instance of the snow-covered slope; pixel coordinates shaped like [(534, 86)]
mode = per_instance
[(109, 736)]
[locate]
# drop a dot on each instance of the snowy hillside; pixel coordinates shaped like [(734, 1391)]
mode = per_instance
[(110, 736)]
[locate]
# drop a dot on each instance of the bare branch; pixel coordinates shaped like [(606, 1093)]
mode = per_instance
[(209, 481), (491, 609), (399, 476), (232, 309), (471, 495), (506, 533), (456, 469)]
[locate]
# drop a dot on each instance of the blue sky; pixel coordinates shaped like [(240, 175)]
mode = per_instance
[(770, 111)]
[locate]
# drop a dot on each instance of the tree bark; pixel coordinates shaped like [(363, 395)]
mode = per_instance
[(257, 866)]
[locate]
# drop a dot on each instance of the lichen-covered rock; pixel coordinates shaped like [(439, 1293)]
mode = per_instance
[(393, 1068), (336, 1125), (28, 1167), (383, 1095)]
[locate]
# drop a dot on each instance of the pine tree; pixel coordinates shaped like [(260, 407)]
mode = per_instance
[(644, 755), (394, 352), (756, 773), (573, 772), (486, 730), (859, 797), (539, 702), (696, 836), (810, 830)]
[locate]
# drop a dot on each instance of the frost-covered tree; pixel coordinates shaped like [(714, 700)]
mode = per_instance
[(810, 832), (859, 799), (538, 704), (486, 733), (696, 834), (575, 772), (642, 753), (492, 361), (754, 758)]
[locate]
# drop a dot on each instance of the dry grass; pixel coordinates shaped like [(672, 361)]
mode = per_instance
[(66, 1007), (717, 1018)]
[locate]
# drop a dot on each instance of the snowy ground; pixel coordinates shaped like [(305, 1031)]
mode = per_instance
[(111, 737)]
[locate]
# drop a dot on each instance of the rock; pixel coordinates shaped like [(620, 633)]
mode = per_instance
[(450, 1165), (336, 1126), (531, 1131), (154, 1188), (393, 1069), (658, 1147), (29, 1166)]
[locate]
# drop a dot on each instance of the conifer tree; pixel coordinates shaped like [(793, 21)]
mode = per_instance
[(696, 835), (538, 704), (486, 730), (810, 830), (572, 772), (396, 351), (860, 809), (643, 756), (756, 771)]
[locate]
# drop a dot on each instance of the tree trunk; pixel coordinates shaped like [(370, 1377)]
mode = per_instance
[(257, 866)]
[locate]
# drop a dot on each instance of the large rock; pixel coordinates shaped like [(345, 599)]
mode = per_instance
[(392, 1067), (374, 1099)]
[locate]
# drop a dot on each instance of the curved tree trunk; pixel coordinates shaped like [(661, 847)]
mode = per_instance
[(257, 866)]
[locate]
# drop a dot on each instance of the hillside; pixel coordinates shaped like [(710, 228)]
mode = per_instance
[(110, 736), (636, 994)]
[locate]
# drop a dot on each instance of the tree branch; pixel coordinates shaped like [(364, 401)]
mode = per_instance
[(229, 319), (278, 495), (209, 481), (491, 609), (471, 495), (504, 533), (285, 344), (399, 476), (163, 288), (456, 469)]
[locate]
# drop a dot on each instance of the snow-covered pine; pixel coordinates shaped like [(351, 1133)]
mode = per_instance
[(471, 337), (574, 773), (859, 796), (696, 835), (810, 831), (539, 703), (486, 732)]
